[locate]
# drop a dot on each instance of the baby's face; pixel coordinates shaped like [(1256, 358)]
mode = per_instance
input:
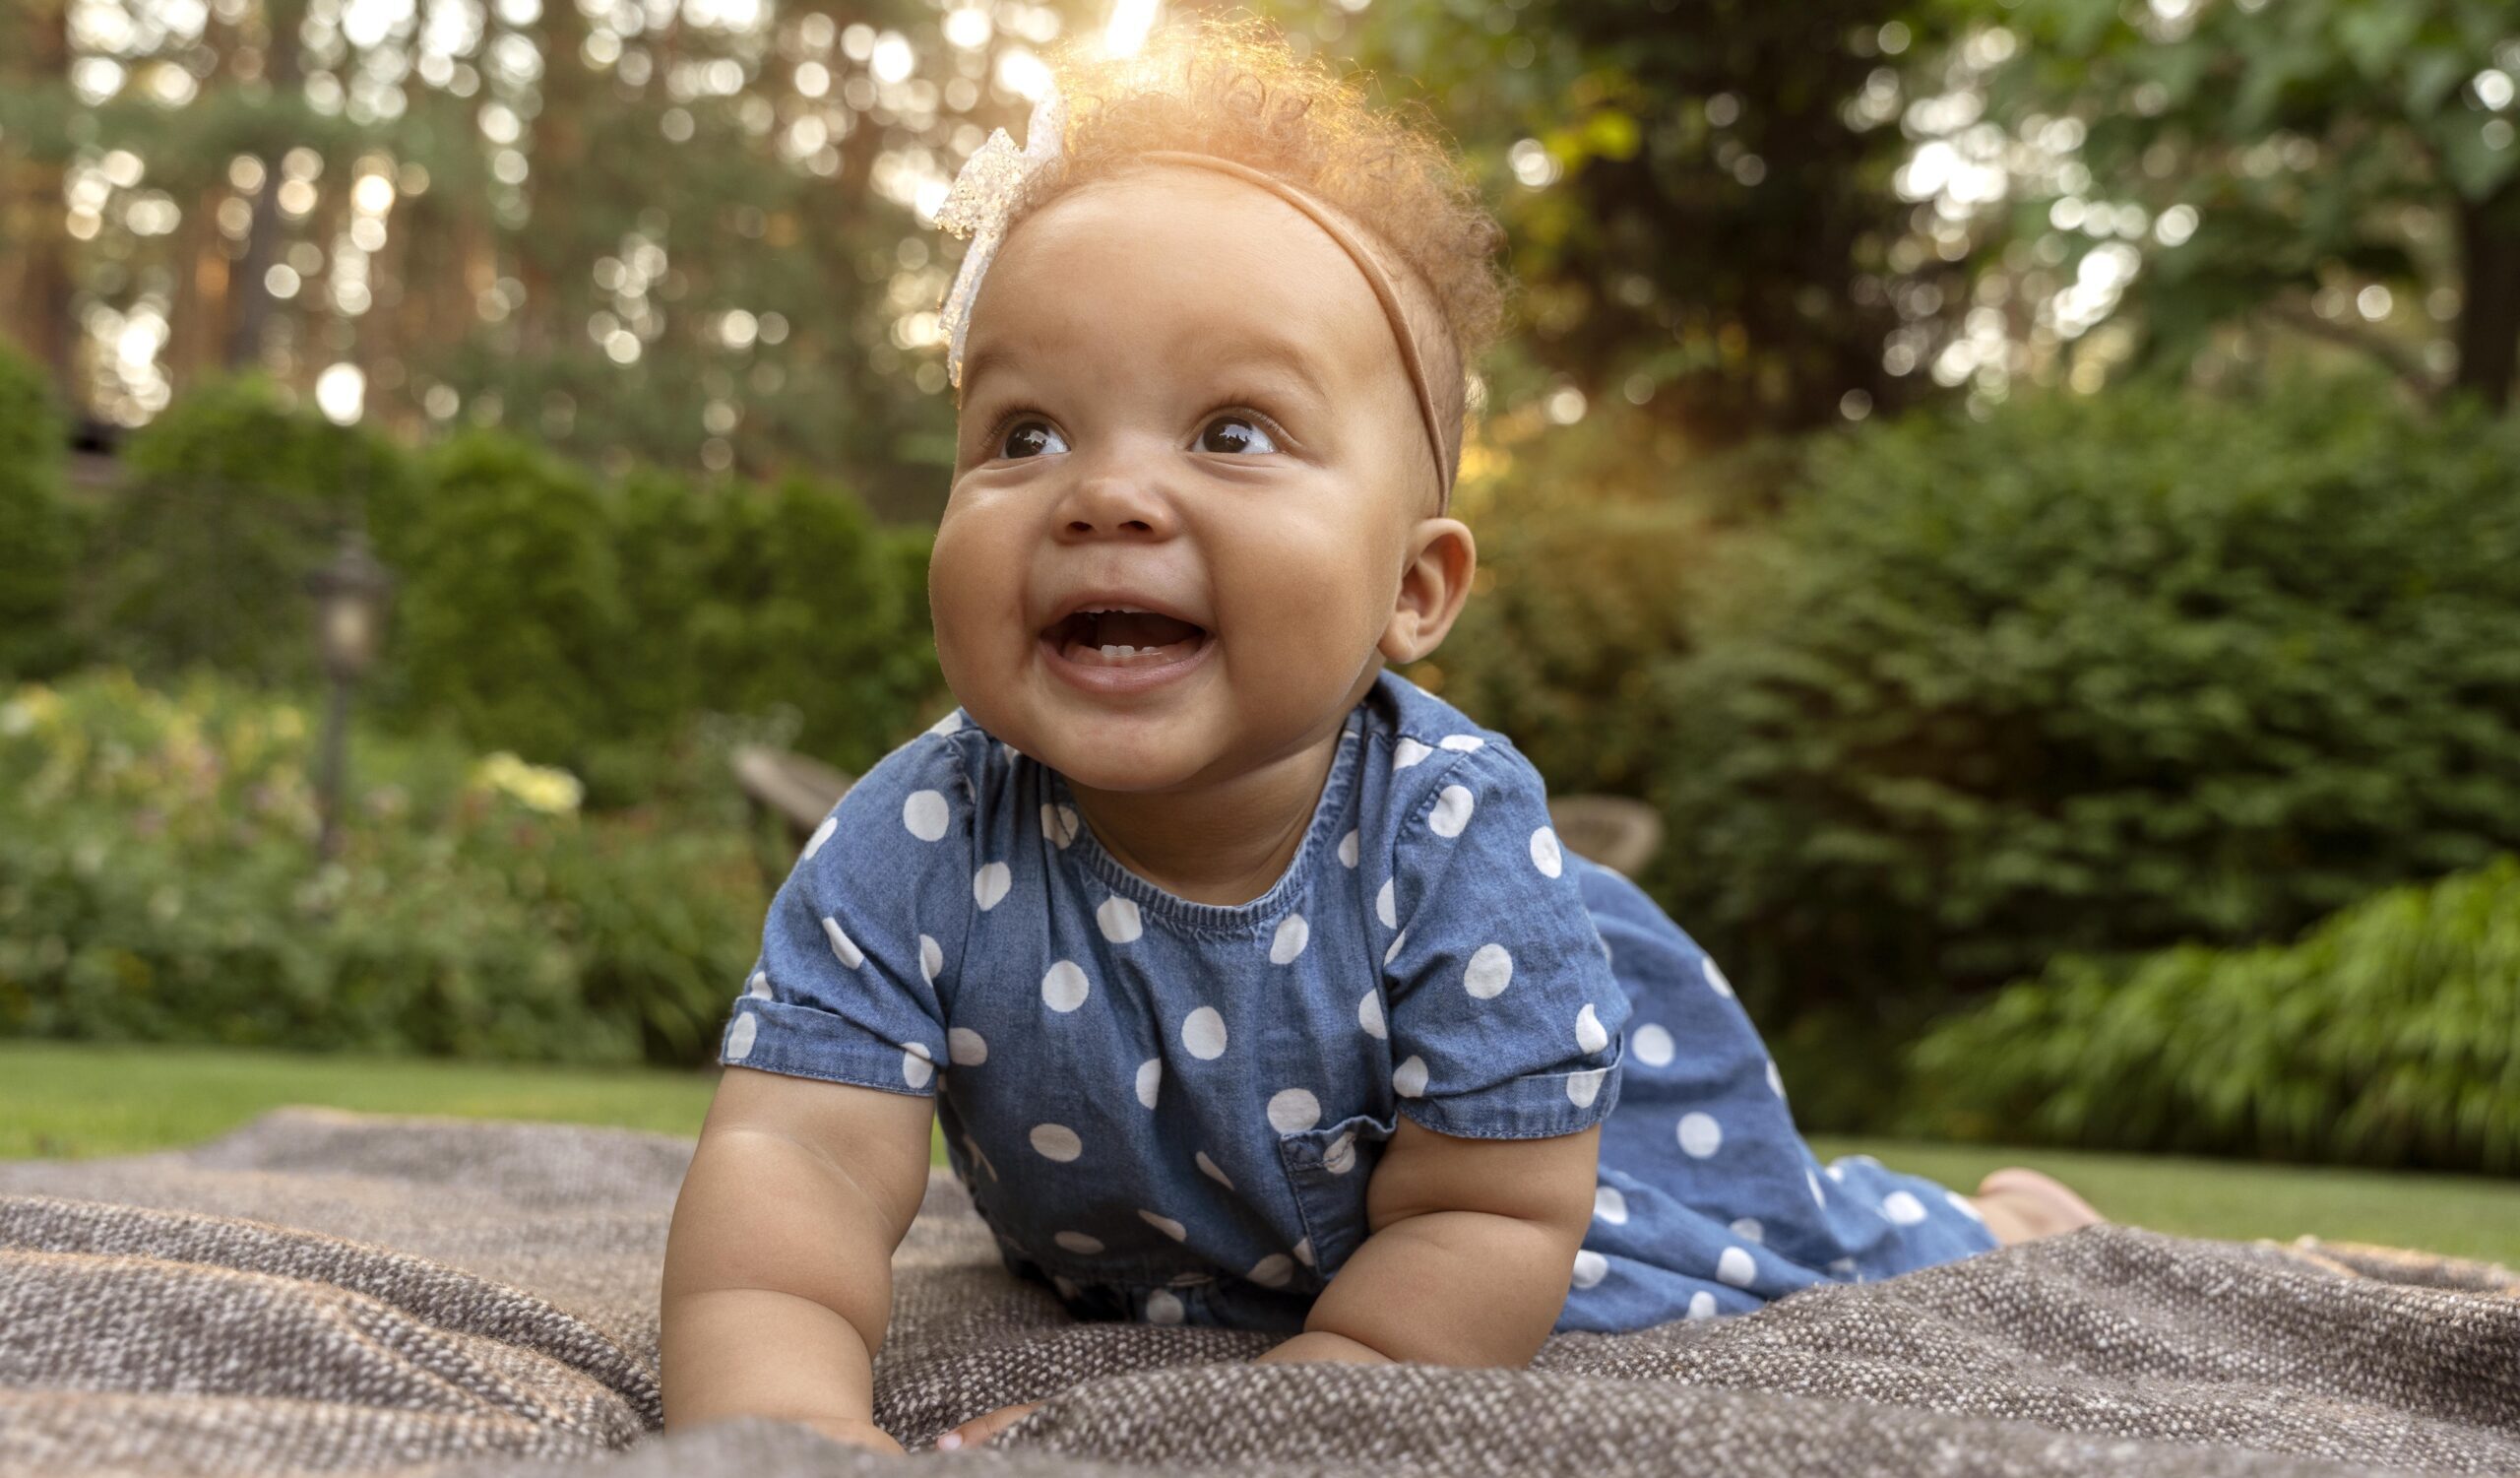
[(1184, 408)]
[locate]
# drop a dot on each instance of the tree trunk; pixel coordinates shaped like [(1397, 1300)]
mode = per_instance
[(2490, 320), (44, 281), (284, 74)]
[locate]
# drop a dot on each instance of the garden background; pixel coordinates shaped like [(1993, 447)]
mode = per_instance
[(2028, 489)]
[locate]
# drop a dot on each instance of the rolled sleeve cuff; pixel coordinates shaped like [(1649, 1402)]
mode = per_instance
[(799, 1041), (1535, 1105)]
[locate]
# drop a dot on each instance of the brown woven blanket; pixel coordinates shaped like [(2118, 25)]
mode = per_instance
[(327, 1292)]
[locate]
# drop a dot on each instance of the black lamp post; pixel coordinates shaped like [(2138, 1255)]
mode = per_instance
[(350, 605)]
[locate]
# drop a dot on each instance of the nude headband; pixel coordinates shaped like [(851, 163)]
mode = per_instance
[(999, 182)]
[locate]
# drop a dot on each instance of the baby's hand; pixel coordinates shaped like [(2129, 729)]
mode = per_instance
[(981, 1429)]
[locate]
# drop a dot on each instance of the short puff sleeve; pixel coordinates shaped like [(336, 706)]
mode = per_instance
[(1506, 1019), (874, 913)]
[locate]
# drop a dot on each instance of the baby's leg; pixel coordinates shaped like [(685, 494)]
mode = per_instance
[(1695, 1062)]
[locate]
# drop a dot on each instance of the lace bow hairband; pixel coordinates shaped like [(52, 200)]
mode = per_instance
[(1000, 181)]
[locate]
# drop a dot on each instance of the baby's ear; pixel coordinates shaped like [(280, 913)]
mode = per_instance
[(1434, 584)]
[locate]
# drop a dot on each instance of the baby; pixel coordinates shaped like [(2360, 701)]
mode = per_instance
[(1248, 980)]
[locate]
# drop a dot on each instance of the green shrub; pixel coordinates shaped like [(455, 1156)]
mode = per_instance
[(1571, 607), (158, 883), (837, 625), (231, 497), (36, 525), (509, 624), (2104, 674), (592, 625), (2389, 1035), (600, 626)]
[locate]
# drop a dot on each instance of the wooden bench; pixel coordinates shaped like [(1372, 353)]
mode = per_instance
[(796, 792)]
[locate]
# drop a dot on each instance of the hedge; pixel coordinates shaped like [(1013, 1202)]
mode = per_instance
[(37, 525), (2389, 1035), (2104, 674)]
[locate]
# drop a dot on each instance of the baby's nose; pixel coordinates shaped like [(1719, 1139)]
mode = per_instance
[(1115, 504)]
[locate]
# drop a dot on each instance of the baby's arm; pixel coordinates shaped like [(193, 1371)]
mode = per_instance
[(1470, 1248), (778, 1276)]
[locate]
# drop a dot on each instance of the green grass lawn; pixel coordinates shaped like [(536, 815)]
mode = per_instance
[(80, 1101)]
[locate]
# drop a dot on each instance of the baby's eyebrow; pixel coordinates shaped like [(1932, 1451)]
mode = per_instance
[(1300, 369), (988, 357)]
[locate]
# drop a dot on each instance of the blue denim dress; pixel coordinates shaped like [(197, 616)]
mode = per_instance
[(1170, 1110)]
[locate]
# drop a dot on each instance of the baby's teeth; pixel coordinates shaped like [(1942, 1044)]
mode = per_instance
[(1118, 652)]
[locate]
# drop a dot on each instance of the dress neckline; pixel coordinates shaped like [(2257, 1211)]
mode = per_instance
[(1225, 918)]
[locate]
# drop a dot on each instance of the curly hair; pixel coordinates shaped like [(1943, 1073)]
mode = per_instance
[(1230, 86)]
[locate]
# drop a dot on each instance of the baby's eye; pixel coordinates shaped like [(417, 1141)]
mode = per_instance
[(1235, 433), (1032, 439)]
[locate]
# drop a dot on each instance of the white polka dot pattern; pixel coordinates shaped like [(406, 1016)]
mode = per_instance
[(1590, 1034), (1290, 939), (1203, 1034), (1293, 1110), (926, 816), (1056, 1141), (1064, 986), (1118, 920), (1453, 807), (1489, 971), (843, 949)]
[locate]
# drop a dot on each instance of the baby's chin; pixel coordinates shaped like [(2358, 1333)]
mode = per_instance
[(1111, 749)]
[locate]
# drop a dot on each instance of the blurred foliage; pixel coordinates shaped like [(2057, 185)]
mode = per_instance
[(2388, 1034), (510, 623), (1691, 214), (561, 180), (37, 525), (537, 607), (2318, 143), (158, 883), (1593, 540), (231, 499), (2103, 672)]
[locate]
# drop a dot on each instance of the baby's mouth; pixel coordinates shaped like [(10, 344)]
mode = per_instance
[(1123, 638)]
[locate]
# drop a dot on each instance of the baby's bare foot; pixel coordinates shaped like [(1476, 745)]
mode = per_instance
[(2019, 1204)]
